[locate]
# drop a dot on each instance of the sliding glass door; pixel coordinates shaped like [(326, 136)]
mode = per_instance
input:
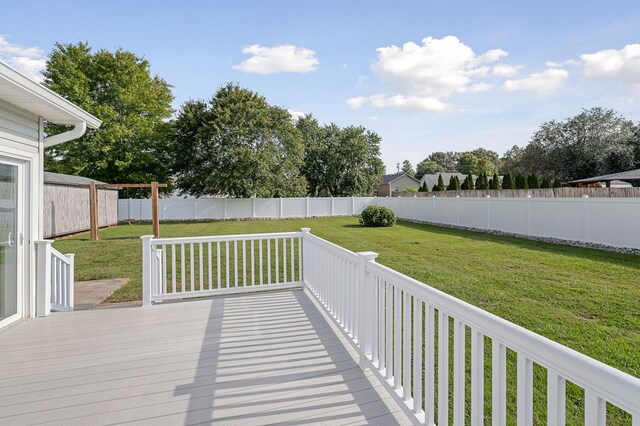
[(10, 239)]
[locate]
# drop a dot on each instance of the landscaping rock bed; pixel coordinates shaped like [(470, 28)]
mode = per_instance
[(541, 239)]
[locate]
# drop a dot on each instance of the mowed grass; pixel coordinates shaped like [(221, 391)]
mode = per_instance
[(586, 299)]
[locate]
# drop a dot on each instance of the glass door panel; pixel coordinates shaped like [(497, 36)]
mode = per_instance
[(8, 240)]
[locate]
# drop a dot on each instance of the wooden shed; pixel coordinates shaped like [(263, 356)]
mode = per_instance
[(66, 204)]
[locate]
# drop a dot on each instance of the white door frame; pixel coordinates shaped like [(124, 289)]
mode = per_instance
[(23, 235)]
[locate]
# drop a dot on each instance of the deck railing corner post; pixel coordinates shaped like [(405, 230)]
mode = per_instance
[(72, 278), (43, 278), (364, 296), (146, 269)]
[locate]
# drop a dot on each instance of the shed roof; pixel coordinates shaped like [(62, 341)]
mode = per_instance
[(69, 180), (21, 91), (392, 177), (624, 176)]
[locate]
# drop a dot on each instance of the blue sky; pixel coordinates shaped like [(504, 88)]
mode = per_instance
[(427, 76)]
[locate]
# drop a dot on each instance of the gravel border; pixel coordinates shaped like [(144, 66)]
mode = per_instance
[(560, 241)]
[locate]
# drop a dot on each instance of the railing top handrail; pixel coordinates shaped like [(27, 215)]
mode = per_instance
[(63, 258), (222, 238), (333, 247), (610, 383)]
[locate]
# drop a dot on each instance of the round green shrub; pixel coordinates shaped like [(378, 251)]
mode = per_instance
[(377, 216)]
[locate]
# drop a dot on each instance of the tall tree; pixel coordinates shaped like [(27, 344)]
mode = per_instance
[(237, 145), (132, 145), (595, 142), (468, 164), (427, 167), (446, 160), (406, 168), (340, 161)]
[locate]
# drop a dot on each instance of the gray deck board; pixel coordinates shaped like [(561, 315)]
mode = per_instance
[(270, 358)]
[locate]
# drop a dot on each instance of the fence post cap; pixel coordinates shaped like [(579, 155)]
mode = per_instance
[(585, 196), (305, 230), (488, 196), (146, 237), (367, 255), (44, 242)]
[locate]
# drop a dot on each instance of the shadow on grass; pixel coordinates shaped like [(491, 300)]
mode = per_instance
[(628, 260)]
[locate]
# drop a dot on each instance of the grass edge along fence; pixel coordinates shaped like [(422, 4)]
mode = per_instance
[(606, 221)]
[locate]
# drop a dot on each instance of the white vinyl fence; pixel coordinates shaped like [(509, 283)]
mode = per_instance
[(609, 221), (402, 328), (241, 208)]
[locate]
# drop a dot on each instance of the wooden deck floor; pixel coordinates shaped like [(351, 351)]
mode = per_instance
[(256, 359)]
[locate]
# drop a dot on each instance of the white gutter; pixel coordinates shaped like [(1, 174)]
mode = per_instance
[(78, 130)]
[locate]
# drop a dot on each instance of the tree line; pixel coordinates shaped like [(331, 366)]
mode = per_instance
[(235, 144), (595, 142)]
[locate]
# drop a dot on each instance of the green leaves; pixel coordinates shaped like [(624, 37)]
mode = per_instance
[(340, 161), (117, 87), (237, 145)]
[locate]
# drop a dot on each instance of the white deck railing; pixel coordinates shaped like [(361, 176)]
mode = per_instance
[(181, 268), (55, 279), (402, 328)]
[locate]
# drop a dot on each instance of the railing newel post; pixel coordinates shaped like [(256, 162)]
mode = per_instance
[(72, 278), (43, 278), (364, 291), (146, 269), (304, 240)]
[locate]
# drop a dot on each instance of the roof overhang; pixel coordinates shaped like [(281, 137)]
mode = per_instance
[(21, 91)]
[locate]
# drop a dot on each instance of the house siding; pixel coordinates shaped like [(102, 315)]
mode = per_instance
[(18, 126)]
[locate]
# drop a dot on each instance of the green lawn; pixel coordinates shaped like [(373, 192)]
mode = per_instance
[(586, 299)]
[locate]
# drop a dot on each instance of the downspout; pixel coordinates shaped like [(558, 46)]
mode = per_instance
[(78, 130)]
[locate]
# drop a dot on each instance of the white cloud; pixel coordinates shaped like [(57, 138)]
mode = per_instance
[(412, 103), (28, 60), (480, 87), (295, 114), (423, 76), (542, 83), (622, 64), (356, 103), (278, 59), (504, 70), (493, 55)]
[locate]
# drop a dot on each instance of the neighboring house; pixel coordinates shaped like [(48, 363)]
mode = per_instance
[(24, 107), (614, 180), (395, 183), (66, 204), (432, 179)]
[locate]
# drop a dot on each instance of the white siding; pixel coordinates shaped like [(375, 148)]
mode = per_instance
[(402, 182), (17, 125)]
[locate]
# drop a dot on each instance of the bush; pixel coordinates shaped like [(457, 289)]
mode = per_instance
[(557, 183), (440, 185), (377, 216), (533, 181), (508, 182), (521, 182), (410, 189), (423, 187)]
